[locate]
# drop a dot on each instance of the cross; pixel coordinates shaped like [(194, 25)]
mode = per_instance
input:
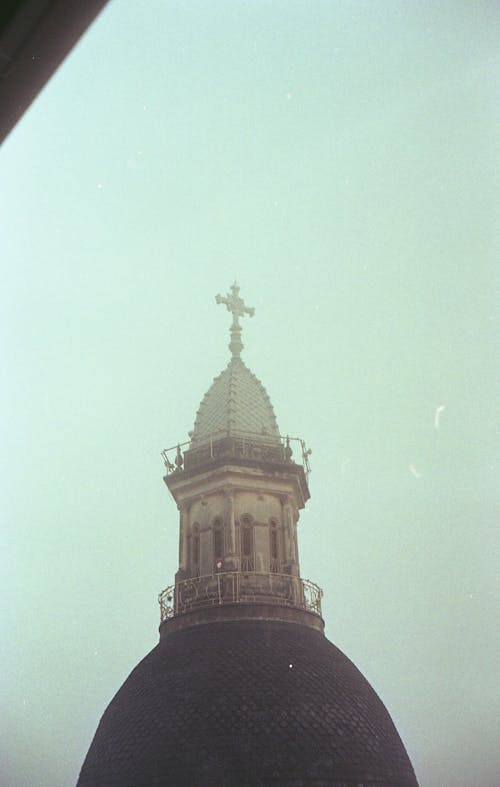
[(236, 306)]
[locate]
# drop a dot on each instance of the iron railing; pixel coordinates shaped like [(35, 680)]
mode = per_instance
[(238, 444), (238, 587)]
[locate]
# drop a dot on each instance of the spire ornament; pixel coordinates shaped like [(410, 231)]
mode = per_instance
[(236, 306)]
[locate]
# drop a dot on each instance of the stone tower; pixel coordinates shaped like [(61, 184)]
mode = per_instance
[(243, 687)]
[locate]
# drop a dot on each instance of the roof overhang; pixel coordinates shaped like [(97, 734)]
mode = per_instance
[(285, 479)]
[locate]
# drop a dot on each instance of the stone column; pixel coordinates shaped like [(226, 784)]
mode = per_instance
[(231, 554), (295, 546), (289, 537), (183, 538), (183, 543)]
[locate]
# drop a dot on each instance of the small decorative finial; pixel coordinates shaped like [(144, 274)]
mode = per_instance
[(236, 306), (179, 460)]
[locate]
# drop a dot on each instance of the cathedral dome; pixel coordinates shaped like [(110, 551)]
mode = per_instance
[(243, 689), (255, 703), (235, 403)]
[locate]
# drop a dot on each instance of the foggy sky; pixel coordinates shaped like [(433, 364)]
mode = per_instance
[(338, 158)]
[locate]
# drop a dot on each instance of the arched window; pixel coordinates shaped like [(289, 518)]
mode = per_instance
[(195, 550), (218, 543), (274, 556), (247, 549)]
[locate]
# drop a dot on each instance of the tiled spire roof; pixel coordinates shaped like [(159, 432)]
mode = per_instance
[(235, 402)]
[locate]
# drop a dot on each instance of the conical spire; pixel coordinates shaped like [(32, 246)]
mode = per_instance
[(236, 402)]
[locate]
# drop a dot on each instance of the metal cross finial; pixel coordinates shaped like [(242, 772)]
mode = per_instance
[(236, 306)]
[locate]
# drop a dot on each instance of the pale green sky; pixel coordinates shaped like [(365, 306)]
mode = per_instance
[(339, 159)]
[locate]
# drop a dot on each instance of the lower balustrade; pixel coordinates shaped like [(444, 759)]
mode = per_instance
[(238, 587)]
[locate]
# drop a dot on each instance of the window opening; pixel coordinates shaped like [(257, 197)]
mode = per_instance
[(218, 544), (274, 547), (247, 558)]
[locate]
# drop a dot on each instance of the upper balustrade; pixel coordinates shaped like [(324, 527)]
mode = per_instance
[(237, 445)]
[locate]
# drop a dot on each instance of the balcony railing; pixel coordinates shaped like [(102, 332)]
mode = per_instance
[(238, 587), (238, 444)]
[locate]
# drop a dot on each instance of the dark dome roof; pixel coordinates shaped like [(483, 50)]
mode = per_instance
[(250, 703)]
